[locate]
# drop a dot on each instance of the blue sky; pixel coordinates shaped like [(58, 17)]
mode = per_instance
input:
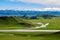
[(21, 4)]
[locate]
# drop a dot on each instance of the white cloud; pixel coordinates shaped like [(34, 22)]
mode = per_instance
[(42, 9), (44, 2), (24, 8), (39, 9), (50, 9)]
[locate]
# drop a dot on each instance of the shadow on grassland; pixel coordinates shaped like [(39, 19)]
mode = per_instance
[(57, 34)]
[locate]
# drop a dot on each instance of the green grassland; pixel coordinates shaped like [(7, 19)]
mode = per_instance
[(11, 23), (54, 23), (31, 36)]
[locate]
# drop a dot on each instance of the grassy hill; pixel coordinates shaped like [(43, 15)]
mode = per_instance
[(11, 23), (54, 23)]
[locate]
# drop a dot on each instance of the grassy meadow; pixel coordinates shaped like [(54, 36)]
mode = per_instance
[(11, 23), (31, 36), (54, 23)]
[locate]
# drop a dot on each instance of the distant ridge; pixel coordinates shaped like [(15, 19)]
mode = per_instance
[(35, 9), (27, 13)]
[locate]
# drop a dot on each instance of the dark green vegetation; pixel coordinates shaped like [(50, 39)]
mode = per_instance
[(31, 36), (9, 23), (47, 16), (22, 23), (14, 23)]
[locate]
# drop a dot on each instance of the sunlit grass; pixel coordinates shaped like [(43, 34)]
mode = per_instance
[(54, 23)]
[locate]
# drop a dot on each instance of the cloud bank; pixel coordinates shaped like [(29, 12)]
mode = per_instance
[(50, 9), (39, 9), (43, 2)]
